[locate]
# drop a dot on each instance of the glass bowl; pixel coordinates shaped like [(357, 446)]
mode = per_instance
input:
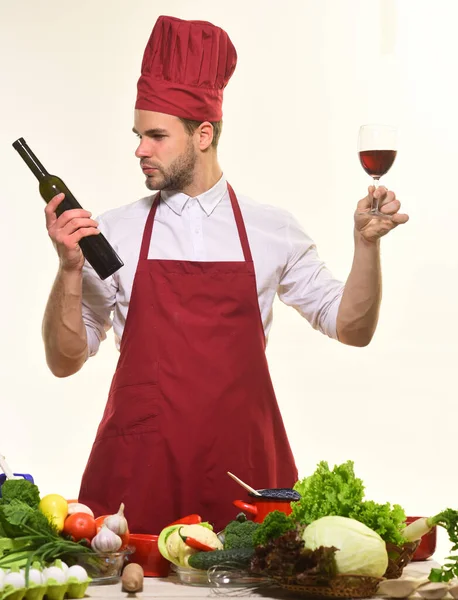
[(219, 576), (107, 567), (190, 576)]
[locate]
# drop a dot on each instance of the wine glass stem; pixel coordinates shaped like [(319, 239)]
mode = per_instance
[(374, 208)]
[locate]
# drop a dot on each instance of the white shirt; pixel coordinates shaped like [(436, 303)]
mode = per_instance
[(203, 229)]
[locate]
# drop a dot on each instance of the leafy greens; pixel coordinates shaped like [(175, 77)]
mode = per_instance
[(339, 492)]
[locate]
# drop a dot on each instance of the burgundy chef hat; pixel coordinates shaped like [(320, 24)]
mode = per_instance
[(185, 68)]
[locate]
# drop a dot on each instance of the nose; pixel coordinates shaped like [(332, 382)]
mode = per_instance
[(144, 149)]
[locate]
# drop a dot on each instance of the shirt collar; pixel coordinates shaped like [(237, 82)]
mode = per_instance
[(208, 200)]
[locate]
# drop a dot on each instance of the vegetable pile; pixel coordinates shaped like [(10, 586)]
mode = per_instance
[(333, 529), (48, 541)]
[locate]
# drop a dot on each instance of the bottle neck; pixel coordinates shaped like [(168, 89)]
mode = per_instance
[(30, 159)]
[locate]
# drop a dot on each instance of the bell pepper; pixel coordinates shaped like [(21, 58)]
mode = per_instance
[(188, 520)]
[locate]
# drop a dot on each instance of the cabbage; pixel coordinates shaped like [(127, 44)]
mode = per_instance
[(361, 551)]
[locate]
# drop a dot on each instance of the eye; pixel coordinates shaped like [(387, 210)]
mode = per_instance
[(139, 136), (158, 136)]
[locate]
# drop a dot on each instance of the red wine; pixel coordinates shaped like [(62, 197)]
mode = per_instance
[(96, 249), (377, 162)]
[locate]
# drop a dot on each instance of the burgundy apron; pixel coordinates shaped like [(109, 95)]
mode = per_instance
[(191, 397)]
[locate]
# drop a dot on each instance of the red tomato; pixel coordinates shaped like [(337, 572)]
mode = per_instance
[(99, 521), (80, 526), (125, 537)]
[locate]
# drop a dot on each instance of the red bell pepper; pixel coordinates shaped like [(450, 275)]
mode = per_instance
[(193, 543), (188, 520)]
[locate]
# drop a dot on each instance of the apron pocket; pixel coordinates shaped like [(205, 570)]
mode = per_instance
[(131, 409)]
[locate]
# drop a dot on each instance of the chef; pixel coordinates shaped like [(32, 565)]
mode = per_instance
[(191, 397)]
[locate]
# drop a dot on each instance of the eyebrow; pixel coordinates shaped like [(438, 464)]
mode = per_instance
[(152, 132)]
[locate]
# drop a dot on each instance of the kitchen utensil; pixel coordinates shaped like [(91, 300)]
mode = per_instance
[(244, 485), (147, 555), (268, 500)]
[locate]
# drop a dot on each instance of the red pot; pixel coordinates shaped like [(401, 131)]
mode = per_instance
[(147, 555), (275, 499), (427, 545)]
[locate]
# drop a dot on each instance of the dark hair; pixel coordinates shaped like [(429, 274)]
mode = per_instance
[(191, 126)]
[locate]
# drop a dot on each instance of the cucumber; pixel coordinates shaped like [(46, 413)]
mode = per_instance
[(239, 557)]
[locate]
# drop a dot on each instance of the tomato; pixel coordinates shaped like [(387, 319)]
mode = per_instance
[(80, 526), (125, 537)]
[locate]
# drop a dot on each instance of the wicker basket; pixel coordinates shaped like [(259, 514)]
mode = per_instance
[(341, 586), (351, 586), (399, 557)]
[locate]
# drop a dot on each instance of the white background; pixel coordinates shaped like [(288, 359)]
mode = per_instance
[(309, 74)]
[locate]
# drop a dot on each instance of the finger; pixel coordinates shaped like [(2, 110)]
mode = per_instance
[(385, 197), (71, 241), (380, 191), (390, 208), (366, 202), (400, 218), (69, 215), (50, 209), (84, 232), (78, 223)]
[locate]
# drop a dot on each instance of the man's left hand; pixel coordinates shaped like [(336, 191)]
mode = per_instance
[(372, 228)]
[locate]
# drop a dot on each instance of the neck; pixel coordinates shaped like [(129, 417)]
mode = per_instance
[(206, 176)]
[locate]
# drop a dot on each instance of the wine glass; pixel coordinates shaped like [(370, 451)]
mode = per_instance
[(377, 147)]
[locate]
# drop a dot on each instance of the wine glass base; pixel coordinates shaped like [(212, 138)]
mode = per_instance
[(377, 214)]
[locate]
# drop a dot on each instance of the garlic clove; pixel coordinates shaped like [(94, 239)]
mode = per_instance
[(106, 541), (117, 522)]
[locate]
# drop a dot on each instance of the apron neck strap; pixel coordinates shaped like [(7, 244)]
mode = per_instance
[(238, 221), (144, 249)]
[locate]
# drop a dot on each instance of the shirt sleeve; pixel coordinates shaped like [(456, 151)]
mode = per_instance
[(307, 284), (99, 298)]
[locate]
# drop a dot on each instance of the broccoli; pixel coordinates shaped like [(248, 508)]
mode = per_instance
[(274, 525), (239, 534), (20, 489)]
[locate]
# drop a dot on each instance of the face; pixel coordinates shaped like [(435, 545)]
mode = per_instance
[(166, 151)]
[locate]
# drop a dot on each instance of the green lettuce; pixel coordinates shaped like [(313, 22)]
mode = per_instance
[(338, 492)]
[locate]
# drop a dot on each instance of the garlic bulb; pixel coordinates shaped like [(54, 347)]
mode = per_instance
[(106, 541), (117, 522)]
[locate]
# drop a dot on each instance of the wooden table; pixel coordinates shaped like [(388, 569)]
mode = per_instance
[(170, 587)]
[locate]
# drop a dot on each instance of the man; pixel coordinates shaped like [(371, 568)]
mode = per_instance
[(192, 397)]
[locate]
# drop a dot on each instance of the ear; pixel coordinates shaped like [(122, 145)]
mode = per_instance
[(205, 133)]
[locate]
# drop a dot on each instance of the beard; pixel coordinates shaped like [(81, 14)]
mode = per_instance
[(178, 175)]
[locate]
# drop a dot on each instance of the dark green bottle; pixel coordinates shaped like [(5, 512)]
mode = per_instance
[(96, 249)]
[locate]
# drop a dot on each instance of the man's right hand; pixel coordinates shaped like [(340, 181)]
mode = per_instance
[(67, 230)]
